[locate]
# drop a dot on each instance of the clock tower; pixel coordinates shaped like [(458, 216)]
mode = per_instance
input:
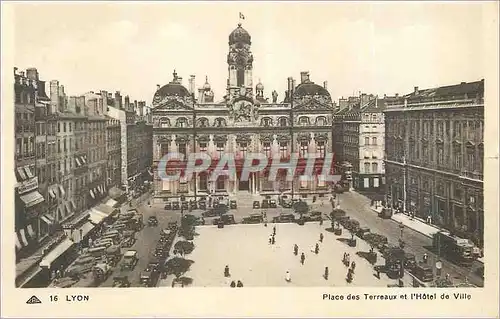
[(239, 60)]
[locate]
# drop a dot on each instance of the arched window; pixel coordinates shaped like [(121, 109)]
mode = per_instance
[(320, 121), (267, 121), (220, 122), (303, 121), (202, 122), (164, 122), (181, 122), (283, 121)]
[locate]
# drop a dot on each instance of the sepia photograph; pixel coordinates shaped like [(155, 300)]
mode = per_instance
[(326, 145)]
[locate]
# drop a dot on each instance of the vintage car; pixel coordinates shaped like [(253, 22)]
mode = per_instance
[(212, 212), (176, 205), (253, 219), (272, 203), (152, 221), (232, 204), (256, 204), (410, 261), (202, 204), (101, 272), (193, 204), (423, 272), (313, 216), (185, 205), (265, 203), (362, 231), (172, 225), (227, 219), (168, 206), (121, 281), (130, 260), (97, 251), (284, 218)]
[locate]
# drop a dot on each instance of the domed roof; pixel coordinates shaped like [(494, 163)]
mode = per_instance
[(259, 86), (239, 35), (207, 86), (174, 88), (310, 88)]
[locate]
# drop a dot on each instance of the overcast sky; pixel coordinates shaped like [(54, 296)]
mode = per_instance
[(371, 47)]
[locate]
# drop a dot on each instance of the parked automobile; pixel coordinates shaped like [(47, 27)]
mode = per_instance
[(202, 204), (226, 219), (232, 204), (253, 219), (193, 204), (168, 206), (210, 213), (362, 231), (423, 272), (172, 225), (185, 205), (130, 259), (121, 281), (176, 206), (265, 203), (314, 216), (284, 218), (256, 204), (272, 203), (152, 221)]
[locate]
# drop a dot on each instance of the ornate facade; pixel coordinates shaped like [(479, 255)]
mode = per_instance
[(243, 121), (434, 156)]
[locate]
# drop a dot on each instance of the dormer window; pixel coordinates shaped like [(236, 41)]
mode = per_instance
[(164, 122), (181, 122), (321, 121), (267, 122), (283, 122), (220, 122)]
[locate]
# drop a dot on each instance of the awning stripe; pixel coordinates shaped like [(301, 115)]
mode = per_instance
[(32, 198), (18, 243), (28, 172), (61, 189), (21, 173), (56, 252), (31, 232), (23, 237), (46, 220)]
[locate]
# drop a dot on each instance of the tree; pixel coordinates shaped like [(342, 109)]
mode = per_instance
[(187, 226), (178, 266), (336, 215), (184, 247), (301, 208), (352, 226)]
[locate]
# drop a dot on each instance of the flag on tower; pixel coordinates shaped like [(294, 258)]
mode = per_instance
[(242, 16)]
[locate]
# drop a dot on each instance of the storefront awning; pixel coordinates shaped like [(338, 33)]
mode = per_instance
[(56, 252), (97, 217), (92, 193), (47, 219), (115, 192), (22, 173), (32, 198), (111, 203), (105, 209)]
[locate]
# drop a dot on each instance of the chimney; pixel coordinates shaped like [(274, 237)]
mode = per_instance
[(32, 74), (61, 90), (294, 84), (290, 84), (376, 101), (385, 95), (200, 95), (118, 100), (406, 102), (134, 106), (396, 95), (72, 104), (463, 83), (142, 105), (127, 103), (54, 96), (191, 84), (325, 85), (416, 89), (304, 76)]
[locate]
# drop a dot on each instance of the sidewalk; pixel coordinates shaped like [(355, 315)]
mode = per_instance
[(414, 223)]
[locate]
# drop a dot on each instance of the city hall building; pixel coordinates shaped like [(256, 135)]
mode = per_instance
[(244, 120)]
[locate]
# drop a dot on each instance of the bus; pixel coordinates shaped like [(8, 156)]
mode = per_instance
[(454, 248)]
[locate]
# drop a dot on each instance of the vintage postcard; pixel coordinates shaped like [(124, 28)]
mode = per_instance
[(292, 159)]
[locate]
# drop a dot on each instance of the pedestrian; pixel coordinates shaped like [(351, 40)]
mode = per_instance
[(316, 249), (58, 273), (239, 284), (326, 273), (344, 258), (233, 284), (348, 260), (321, 219), (425, 258), (226, 271), (321, 237), (288, 276), (378, 272), (353, 266), (302, 258), (90, 242), (274, 230), (273, 241), (270, 239), (295, 249), (448, 277)]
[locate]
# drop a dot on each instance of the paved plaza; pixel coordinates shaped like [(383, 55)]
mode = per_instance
[(251, 259)]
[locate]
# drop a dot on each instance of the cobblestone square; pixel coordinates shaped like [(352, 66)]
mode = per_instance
[(251, 259)]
